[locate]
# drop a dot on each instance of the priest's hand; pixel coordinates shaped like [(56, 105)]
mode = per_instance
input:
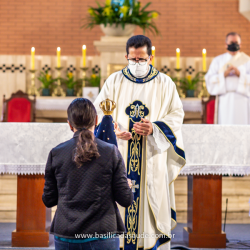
[(236, 71), (232, 70), (130, 183), (122, 134), (143, 128)]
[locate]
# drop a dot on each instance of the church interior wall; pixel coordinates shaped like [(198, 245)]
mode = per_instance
[(190, 25)]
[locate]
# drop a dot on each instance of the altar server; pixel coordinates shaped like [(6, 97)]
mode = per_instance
[(148, 117), (228, 78)]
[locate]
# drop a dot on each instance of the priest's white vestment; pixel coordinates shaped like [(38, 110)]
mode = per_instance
[(232, 92), (152, 162)]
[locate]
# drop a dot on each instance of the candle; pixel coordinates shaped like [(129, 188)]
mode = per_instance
[(153, 54), (32, 58), (204, 62), (58, 57), (84, 55), (178, 52)]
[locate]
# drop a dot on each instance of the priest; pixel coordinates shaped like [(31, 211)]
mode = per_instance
[(148, 119), (228, 78)]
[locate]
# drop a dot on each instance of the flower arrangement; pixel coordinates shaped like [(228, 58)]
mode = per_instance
[(47, 82), (130, 12), (189, 85), (94, 80), (70, 83)]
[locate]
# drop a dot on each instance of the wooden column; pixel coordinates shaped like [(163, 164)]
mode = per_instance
[(31, 216), (204, 212)]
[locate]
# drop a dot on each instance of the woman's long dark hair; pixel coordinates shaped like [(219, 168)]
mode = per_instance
[(82, 116)]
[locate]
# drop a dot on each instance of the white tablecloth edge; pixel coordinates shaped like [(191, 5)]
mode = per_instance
[(10, 168)]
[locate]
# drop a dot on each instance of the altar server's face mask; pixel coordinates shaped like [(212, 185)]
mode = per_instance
[(233, 47), (138, 68)]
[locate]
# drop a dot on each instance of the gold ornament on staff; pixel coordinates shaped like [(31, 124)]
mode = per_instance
[(32, 90), (107, 106), (58, 90), (84, 73)]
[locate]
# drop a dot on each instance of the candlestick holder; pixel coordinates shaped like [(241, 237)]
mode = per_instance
[(58, 90), (84, 73), (32, 90), (178, 84), (204, 92)]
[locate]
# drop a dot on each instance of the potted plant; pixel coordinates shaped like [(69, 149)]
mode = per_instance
[(121, 20), (70, 83), (189, 85), (94, 80), (47, 82)]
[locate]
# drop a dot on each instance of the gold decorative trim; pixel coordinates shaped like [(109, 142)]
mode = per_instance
[(152, 74)]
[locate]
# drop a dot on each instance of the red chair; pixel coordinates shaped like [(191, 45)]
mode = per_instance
[(19, 108), (208, 107)]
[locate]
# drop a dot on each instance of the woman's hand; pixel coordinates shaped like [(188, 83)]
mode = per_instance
[(130, 183), (122, 134)]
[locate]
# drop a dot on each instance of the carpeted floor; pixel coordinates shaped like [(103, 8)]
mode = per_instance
[(237, 234)]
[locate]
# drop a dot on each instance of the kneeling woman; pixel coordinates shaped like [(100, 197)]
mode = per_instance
[(85, 177)]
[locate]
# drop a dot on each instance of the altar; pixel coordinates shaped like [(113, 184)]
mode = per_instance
[(211, 151), (54, 109)]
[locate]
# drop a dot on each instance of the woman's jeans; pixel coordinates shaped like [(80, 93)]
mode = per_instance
[(102, 244)]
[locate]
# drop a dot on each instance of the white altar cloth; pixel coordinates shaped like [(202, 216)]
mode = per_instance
[(192, 104), (53, 103), (210, 149), (62, 103)]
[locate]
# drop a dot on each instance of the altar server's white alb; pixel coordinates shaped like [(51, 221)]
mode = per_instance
[(232, 92), (152, 162)]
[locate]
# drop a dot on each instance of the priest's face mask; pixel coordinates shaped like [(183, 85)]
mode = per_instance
[(233, 43), (138, 61)]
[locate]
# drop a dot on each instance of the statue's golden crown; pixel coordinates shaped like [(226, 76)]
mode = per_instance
[(107, 106)]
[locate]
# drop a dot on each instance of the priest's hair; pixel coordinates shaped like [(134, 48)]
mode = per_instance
[(82, 116), (138, 42), (233, 34)]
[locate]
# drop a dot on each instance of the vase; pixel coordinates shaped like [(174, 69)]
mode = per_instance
[(46, 92), (113, 30), (70, 92), (190, 93)]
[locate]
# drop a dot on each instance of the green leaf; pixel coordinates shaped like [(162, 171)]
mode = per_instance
[(137, 16), (145, 6)]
